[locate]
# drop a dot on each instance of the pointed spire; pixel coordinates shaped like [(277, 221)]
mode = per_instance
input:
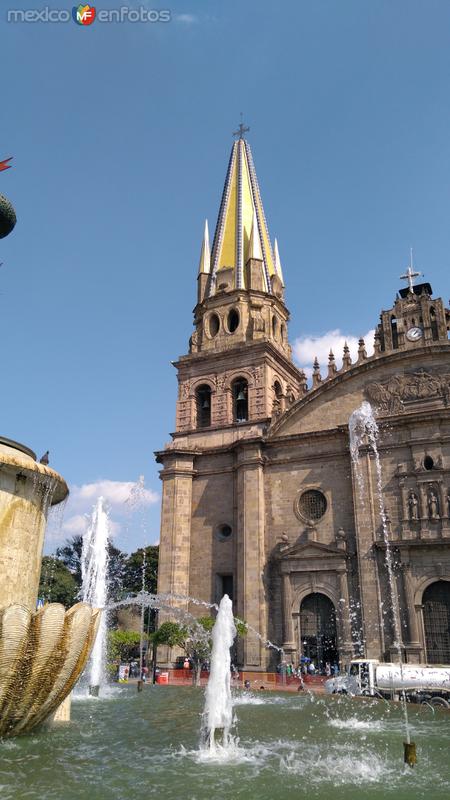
[(276, 257), (254, 245), (362, 352), (331, 365), (316, 376), (205, 255), (236, 234), (377, 343), (303, 383), (346, 358)]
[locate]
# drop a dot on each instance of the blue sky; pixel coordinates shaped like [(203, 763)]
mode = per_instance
[(121, 134)]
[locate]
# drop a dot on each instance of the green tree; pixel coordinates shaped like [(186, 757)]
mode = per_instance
[(123, 645), (132, 570), (195, 641), (57, 584), (70, 555)]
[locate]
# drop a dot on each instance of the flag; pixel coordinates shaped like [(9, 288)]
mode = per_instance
[(4, 164)]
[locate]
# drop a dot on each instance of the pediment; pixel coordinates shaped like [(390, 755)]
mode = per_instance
[(310, 550)]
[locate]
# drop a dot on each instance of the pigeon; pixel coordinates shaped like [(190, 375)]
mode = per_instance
[(44, 459)]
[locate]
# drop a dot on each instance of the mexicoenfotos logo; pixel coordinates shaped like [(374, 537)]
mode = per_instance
[(83, 15)]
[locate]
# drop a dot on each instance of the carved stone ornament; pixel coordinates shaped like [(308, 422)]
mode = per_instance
[(395, 394)]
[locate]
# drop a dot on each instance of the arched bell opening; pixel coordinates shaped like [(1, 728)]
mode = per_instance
[(240, 400), (203, 403), (318, 631), (394, 331), (434, 325)]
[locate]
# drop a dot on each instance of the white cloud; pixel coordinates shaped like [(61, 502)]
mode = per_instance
[(75, 524), (117, 493), (306, 348), (124, 504), (187, 19)]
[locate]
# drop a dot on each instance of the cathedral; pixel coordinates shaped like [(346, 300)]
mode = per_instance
[(261, 499)]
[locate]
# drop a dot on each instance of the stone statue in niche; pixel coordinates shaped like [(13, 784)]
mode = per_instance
[(433, 505), (341, 538), (413, 506), (276, 408), (257, 321)]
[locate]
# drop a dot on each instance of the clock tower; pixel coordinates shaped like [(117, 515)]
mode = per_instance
[(417, 319)]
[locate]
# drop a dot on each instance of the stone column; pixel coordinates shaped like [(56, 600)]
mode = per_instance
[(250, 554), (288, 622), (344, 613), (175, 538), (366, 521)]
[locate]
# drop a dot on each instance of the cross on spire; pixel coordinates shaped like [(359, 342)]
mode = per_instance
[(241, 130), (410, 274)]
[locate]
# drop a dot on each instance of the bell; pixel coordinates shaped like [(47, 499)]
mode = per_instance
[(241, 395), (205, 403)]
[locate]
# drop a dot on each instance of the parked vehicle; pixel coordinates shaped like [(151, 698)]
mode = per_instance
[(422, 683)]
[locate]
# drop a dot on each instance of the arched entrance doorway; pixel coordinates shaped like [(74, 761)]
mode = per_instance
[(318, 630), (436, 620)]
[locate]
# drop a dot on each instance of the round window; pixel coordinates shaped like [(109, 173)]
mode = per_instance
[(214, 325), (224, 532), (311, 505), (233, 320)]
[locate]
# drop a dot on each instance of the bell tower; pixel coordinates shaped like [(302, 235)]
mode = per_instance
[(239, 369), (416, 319)]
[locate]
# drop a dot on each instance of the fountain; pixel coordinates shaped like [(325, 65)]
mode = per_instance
[(218, 711), (94, 569), (363, 428), (42, 653)]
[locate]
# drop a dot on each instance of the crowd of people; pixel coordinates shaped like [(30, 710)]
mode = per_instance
[(307, 667)]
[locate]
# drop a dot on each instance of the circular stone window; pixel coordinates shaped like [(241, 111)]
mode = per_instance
[(310, 506), (214, 325), (224, 532), (233, 320)]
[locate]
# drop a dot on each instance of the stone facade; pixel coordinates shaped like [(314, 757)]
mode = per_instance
[(262, 500)]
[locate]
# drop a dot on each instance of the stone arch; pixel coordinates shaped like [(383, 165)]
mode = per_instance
[(318, 627), (240, 373), (312, 586), (424, 584), (201, 382), (436, 621)]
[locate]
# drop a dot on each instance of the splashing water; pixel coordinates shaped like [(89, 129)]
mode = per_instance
[(364, 429), (218, 711), (94, 569)]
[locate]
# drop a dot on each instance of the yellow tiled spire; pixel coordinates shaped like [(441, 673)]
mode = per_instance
[(241, 210)]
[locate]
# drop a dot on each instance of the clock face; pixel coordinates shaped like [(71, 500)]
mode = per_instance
[(414, 334)]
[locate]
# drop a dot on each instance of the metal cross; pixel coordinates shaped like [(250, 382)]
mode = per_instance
[(410, 274), (241, 130)]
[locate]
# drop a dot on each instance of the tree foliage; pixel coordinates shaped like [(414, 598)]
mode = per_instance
[(195, 641), (122, 569), (123, 645), (57, 584), (132, 571)]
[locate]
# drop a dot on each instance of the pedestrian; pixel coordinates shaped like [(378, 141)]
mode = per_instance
[(328, 669)]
